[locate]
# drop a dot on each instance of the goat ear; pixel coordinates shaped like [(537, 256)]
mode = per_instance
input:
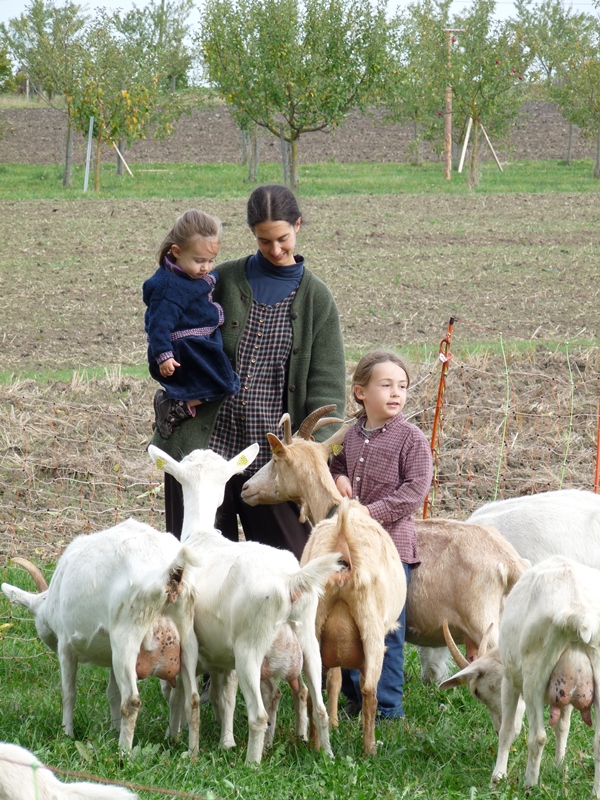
[(244, 459), (162, 460), (332, 444), (277, 446), (460, 678)]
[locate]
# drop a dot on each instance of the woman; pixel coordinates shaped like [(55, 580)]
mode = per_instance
[(282, 335)]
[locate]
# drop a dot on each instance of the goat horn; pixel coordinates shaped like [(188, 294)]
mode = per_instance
[(327, 421), (308, 426), (287, 428), (35, 572), (483, 645), (461, 661)]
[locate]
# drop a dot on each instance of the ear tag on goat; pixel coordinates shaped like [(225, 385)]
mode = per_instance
[(160, 463), (242, 461), (336, 449)]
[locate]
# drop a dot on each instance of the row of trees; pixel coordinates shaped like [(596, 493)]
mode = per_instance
[(296, 66), (118, 68)]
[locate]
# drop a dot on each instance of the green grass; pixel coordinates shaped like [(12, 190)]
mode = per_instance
[(177, 180), (443, 750)]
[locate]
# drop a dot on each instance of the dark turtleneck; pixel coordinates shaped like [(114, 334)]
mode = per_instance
[(271, 284)]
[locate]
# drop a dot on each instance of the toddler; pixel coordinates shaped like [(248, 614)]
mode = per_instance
[(385, 464), (185, 349)]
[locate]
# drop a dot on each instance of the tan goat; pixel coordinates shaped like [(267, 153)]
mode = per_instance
[(466, 570), (360, 605)]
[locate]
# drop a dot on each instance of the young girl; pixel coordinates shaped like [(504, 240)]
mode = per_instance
[(185, 349), (385, 464), (282, 333)]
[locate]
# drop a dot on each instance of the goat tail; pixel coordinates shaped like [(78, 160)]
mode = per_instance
[(313, 576), (169, 579), (186, 557), (19, 597), (580, 621)]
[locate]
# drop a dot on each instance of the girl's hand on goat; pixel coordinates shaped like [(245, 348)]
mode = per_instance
[(344, 486)]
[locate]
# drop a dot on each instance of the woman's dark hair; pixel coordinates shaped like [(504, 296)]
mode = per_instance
[(271, 203)]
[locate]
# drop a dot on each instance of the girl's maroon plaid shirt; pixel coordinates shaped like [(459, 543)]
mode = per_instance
[(390, 469)]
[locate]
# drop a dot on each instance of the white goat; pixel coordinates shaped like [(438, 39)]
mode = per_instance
[(565, 522), (548, 652), (466, 570), (117, 598), (23, 777), (252, 600)]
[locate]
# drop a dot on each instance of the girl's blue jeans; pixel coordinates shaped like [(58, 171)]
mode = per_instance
[(391, 683)]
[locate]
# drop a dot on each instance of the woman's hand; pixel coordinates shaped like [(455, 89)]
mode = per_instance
[(344, 486), (168, 367)]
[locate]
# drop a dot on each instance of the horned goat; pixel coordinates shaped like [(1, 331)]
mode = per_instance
[(23, 777), (252, 600), (362, 603), (116, 599), (466, 570), (548, 653)]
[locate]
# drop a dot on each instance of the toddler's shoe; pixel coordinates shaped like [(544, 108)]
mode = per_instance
[(168, 413)]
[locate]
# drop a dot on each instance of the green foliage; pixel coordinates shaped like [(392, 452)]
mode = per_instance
[(160, 29), (42, 42), (291, 66), (577, 89), (415, 76), (7, 79), (487, 66), (550, 31), (116, 68)]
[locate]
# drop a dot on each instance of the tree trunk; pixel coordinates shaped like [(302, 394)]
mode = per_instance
[(474, 166), (97, 164), (253, 155), (121, 146), (596, 172), (245, 145), (417, 145), (294, 178), (285, 158), (67, 170), (173, 84), (569, 144)]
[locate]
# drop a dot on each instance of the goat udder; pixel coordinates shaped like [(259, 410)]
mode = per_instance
[(341, 645), (571, 683), (161, 659)]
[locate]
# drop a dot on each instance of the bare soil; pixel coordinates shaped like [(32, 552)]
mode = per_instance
[(518, 272), (36, 136)]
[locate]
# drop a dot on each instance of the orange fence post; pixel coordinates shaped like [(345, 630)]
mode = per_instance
[(597, 475), (445, 357)]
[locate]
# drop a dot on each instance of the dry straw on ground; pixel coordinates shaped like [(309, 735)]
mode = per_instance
[(75, 456)]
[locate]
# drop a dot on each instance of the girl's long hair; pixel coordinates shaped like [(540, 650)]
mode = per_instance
[(191, 223)]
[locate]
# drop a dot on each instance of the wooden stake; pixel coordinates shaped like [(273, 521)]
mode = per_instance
[(114, 144), (487, 138), (88, 157), (465, 144)]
